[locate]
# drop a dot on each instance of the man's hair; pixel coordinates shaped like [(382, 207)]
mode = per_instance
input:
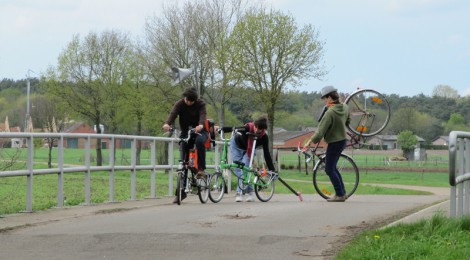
[(261, 122), (190, 94)]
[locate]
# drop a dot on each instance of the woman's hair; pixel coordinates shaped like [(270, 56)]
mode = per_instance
[(190, 94), (261, 123), (334, 96)]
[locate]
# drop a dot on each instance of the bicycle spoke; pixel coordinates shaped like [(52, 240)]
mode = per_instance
[(216, 187), (369, 111), (349, 174)]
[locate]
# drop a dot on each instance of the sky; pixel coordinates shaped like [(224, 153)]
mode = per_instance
[(404, 47)]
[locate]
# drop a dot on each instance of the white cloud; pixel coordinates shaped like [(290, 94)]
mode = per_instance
[(465, 92)]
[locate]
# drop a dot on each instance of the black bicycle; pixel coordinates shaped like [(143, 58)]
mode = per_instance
[(186, 181)]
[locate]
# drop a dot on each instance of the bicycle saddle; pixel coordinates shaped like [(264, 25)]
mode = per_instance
[(240, 164)]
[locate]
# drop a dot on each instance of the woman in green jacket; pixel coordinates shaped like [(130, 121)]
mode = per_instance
[(332, 128)]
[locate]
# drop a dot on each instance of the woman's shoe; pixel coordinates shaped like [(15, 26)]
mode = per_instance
[(337, 199)]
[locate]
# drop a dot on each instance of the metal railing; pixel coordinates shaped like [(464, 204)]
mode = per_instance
[(459, 173), (87, 167)]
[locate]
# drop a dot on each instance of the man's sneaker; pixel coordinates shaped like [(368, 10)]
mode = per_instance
[(249, 197), (239, 197)]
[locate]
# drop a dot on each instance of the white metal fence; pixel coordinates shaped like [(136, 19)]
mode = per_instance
[(459, 173), (60, 168)]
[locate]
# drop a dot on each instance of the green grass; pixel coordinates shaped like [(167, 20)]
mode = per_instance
[(13, 189), (436, 238)]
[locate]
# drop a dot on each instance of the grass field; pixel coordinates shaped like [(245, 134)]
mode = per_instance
[(13, 189)]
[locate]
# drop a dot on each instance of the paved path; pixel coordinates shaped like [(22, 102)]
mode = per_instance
[(283, 228)]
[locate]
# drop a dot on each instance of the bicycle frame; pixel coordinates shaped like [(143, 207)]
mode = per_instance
[(251, 176), (249, 173), (190, 167)]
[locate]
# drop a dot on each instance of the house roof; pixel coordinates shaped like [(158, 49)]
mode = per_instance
[(395, 137), (281, 137), (443, 137), (71, 128)]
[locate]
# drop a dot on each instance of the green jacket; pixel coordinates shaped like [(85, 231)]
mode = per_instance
[(332, 126)]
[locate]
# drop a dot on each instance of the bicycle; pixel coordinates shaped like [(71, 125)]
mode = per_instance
[(370, 113), (188, 183), (346, 166), (261, 179)]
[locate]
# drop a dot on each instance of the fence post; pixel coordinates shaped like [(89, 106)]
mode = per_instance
[(88, 171), (133, 173), (60, 177), (112, 163), (153, 183), (29, 195)]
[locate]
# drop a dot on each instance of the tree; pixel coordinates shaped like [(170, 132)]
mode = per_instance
[(445, 91), (88, 77), (407, 141), (273, 53), (456, 123), (196, 35), (46, 116)]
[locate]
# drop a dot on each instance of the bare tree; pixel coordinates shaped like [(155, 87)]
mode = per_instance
[(47, 117), (445, 91), (197, 36)]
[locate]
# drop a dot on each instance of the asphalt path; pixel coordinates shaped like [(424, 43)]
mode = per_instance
[(283, 228)]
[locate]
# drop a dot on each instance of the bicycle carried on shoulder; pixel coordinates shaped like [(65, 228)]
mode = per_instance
[(370, 113), (186, 181), (261, 180)]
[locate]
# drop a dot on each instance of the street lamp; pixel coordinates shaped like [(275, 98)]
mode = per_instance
[(28, 89)]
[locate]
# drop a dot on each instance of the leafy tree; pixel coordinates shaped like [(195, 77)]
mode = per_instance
[(407, 141), (455, 123), (88, 77), (273, 53)]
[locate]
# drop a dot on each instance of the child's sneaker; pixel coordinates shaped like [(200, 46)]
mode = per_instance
[(239, 197), (249, 197)]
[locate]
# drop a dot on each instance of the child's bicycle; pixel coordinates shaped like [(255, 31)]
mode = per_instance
[(261, 180), (370, 113), (188, 183)]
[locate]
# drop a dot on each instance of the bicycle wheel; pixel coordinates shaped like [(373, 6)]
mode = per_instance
[(369, 111), (244, 182), (349, 173), (216, 187), (179, 186), (203, 189), (264, 187)]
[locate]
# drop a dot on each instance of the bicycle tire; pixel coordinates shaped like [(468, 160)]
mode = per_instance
[(216, 187), (203, 189), (264, 187), (244, 186), (369, 111), (179, 186), (349, 173)]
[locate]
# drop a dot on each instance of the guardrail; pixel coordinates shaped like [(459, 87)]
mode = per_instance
[(87, 168), (459, 173)]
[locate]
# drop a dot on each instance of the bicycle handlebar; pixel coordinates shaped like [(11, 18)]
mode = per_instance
[(191, 131)]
